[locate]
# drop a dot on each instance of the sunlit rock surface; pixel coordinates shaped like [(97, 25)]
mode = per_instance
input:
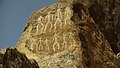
[(74, 34)]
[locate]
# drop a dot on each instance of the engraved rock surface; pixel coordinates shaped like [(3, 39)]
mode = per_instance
[(73, 34)]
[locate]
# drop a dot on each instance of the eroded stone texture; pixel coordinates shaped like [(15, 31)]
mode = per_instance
[(74, 34), (106, 14), (14, 59), (52, 33), (2, 50)]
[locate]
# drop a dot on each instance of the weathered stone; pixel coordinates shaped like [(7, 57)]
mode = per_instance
[(106, 14), (2, 50), (74, 34), (14, 59)]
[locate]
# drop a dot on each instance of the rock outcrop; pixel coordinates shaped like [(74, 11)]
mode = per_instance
[(71, 34), (106, 14), (14, 59), (2, 50)]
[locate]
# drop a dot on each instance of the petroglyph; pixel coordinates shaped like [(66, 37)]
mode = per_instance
[(51, 33)]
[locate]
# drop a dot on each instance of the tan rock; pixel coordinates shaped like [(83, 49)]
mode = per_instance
[(64, 35)]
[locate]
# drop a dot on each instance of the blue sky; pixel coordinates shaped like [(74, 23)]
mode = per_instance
[(14, 15)]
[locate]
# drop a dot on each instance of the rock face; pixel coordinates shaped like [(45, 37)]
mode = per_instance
[(74, 34), (106, 14), (14, 59)]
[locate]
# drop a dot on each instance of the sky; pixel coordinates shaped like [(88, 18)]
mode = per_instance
[(14, 15)]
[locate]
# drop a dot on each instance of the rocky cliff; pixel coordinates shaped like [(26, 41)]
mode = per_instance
[(14, 59), (74, 34)]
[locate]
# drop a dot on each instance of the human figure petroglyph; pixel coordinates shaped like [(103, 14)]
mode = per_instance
[(53, 32)]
